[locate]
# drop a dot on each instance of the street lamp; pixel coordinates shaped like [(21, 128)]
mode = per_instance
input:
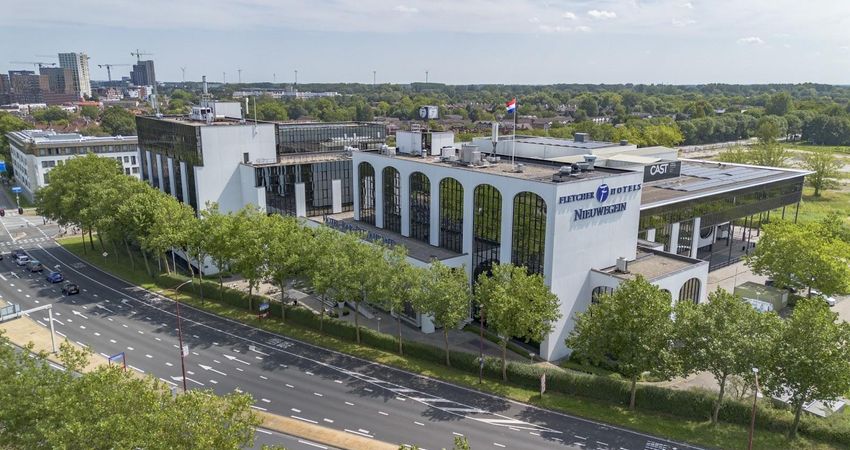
[(379, 324), (753, 417), (180, 334), (480, 343)]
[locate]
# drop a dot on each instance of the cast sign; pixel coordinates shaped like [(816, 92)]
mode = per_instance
[(662, 170)]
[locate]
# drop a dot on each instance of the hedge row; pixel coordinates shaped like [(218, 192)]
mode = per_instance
[(691, 404)]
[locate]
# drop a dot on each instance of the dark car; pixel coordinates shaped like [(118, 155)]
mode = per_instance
[(70, 289), (35, 265), (55, 277)]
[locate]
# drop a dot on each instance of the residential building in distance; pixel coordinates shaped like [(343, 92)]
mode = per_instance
[(27, 87), (60, 85), (143, 74), (79, 65), (35, 152)]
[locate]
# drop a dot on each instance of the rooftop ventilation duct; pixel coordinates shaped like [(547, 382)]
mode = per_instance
[(591, 161)]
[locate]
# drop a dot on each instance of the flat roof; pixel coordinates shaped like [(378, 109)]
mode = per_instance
[(557, 142), (532, 169), (416, 249), (186, 120), (301, 158), (50, 137), (653, 264), (702, 178)]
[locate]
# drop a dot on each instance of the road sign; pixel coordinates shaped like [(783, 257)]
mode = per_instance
[(119, 357), (16, 189), (185, 350), (264, 306), (2, 166)]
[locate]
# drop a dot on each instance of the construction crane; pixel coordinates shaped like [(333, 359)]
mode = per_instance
[(34, 63), (139, 55), (109, 69)]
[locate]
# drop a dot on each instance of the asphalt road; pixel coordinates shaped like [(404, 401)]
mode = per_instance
[(285, 376)]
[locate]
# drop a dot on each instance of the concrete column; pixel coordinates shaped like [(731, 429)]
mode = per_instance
[(695, 241), (184, 182), (674, 237), (149, 167), (159, 172), (171, 180), (355, 192), (300, 200), (650, 234), (507, 228), (379, 197), (336, 196), (468, 205), (404, 202), (435, 212)]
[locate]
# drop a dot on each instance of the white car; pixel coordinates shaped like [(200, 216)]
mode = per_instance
[(22, 260), (830, 300)]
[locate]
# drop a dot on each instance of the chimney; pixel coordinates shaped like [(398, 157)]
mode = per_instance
[(204, 78)]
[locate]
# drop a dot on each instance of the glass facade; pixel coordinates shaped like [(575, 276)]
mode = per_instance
[(179, 141), (486, 228), (451, 215), (420, 207), (392, 199), (690, 291), (529, 232), (280, 182), (367, 192), (329, 137)]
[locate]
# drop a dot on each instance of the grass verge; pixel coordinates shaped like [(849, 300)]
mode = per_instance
[(702, 433)]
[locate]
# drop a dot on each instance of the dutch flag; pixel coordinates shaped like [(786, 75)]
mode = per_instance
[(511, 106)]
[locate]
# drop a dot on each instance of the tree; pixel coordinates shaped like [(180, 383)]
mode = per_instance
[(328, 261), (632, 327), (271, 110), (779, 104), (222, 246), (111, 408), (811, 357), (516, 304), (250, 245), (170, 226), (726, 337), (737, 154), (50, 115), (118, 121), (289, 253), (402, 285), (802, 256), (445, 297), (90, 112), (770, 155), (825, 167)]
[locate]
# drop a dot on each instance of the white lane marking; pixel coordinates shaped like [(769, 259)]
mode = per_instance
[(57, 321), (533, 433), (136, 369), (148, 356), (580, 437), (141, 332), (130, 348), (187, 379), (263, 431), (40, 323), (61, 334), (318, 394), (82, 327), (383, 413), (420, 424), (359, 433), (252, 348), (240, 369), (158, 339), (308, 372), (113, 341), (215, 343), (349, 403), (217, 361), (328, 420), (77, 313), (263, 377), (290, 386), (313, 444), (456, 433), (80, 344), (169, 364), (103, 307), (259, 407), (213, 382), (296, 410), (233, 358), (338, 381), (498, 444), (96, 333), (169, 382), (4, 278), (303, 419), (211, 369)]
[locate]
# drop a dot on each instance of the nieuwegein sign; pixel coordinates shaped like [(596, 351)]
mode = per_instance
[(662, 170)]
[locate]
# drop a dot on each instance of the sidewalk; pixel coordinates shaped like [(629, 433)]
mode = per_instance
[(383, 322)]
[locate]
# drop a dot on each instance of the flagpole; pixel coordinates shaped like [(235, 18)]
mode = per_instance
[(513, 141)]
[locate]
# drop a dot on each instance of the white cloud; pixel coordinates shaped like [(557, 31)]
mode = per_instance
[(751, 40), (569, 15), (534, 20), (583, 29), (601, 14), (683, 22), (844, 48), (688, 5), (406, 9)]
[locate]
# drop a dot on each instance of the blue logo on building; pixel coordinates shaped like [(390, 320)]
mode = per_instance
[(602, 193)]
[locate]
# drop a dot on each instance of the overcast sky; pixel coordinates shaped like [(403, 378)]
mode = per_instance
[(457, 41)]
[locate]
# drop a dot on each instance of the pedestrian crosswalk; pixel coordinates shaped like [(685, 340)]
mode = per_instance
[(25, 241)]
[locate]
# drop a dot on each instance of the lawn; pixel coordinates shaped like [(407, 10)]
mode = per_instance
[(701, 433), (816, 208), (819, 148)]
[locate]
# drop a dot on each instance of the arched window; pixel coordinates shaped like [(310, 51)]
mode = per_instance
[(529, 232), (420, 207), (690, 290), (366, 173), (486, 226), (451, 214), (392, 200), (598, 292)]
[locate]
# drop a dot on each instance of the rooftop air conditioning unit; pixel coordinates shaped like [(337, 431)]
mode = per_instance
[(622, 265), (590, 160)]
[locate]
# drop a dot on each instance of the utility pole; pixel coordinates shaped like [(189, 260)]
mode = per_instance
[(239, 71), (296, 76), (374, 77), (224, 77), (426, 77), (183, 69), (180, 336), (274, 78)]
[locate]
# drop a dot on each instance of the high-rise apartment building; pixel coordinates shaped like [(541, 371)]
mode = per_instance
[(27, 87), (79, 65), (143, 74)]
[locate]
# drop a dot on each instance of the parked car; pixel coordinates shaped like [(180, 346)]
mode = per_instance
[(55, 277), (17, 253), (70, 289), (22, 260), (35, 265), (830, 300)]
